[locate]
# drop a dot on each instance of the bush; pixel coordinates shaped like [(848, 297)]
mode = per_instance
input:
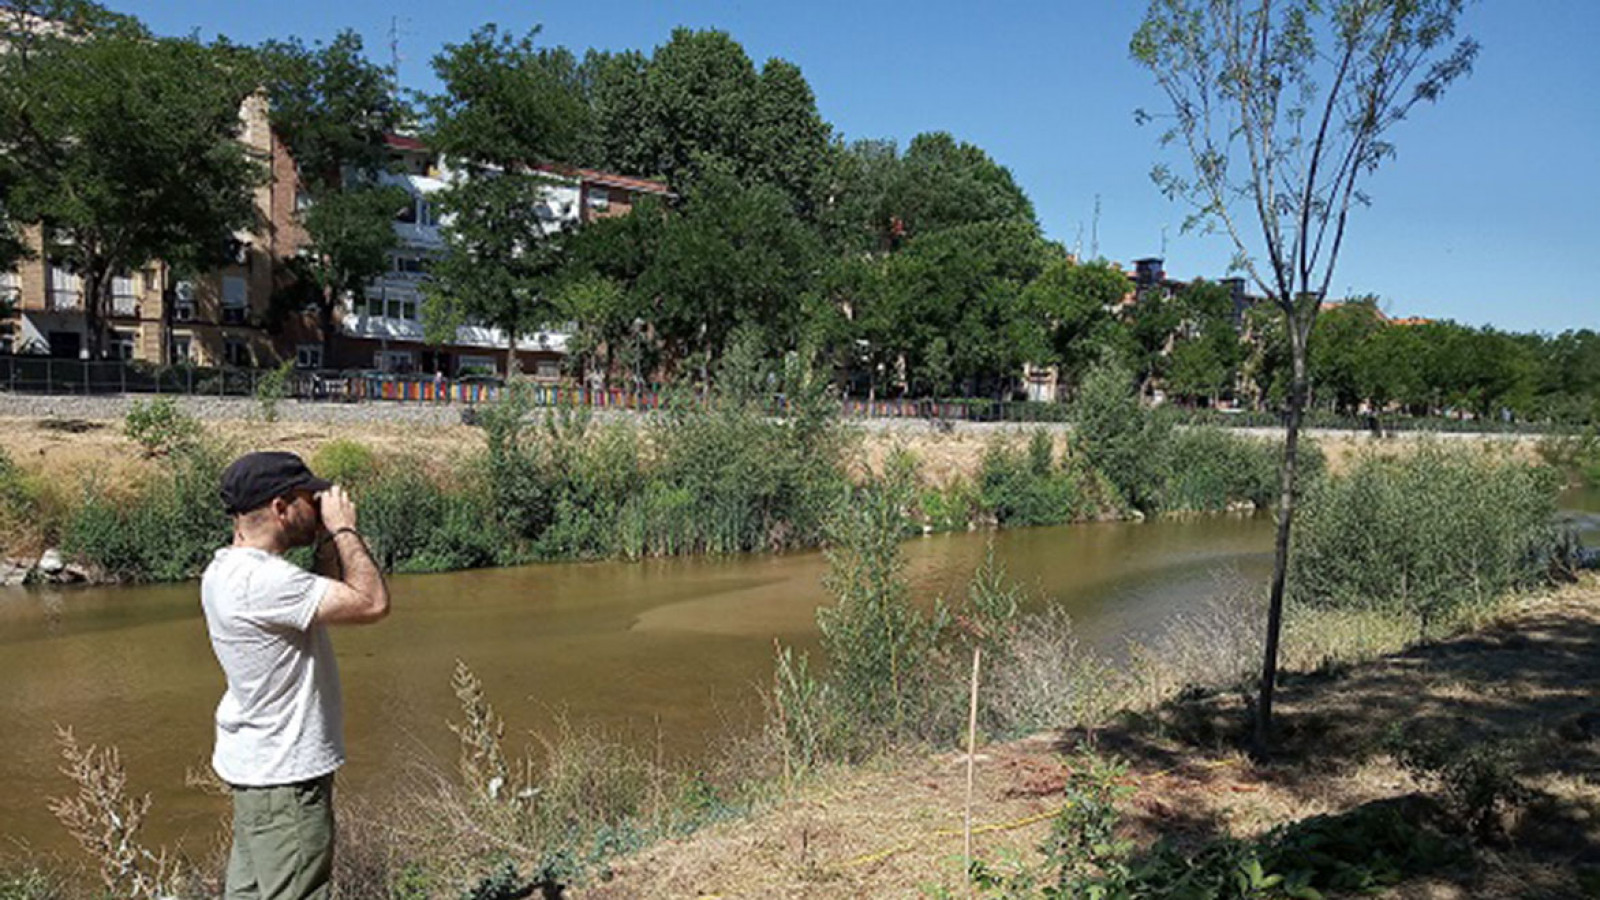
[(18, 502), (345, 462), (166, 529), (1209, 470), (412, 524), (1028, 487), (1118, 436), (160, 427), (1576, 454), (1429, 536), (272, 388)]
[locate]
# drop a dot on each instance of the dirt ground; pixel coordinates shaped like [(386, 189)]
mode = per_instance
[(1532, 679)]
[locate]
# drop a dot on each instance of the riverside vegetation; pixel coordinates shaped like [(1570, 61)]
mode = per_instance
[(1458, 529), (714, 472)]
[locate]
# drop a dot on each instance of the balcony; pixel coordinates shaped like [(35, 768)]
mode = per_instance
[(125, 306), (64, 300), (420, 236)]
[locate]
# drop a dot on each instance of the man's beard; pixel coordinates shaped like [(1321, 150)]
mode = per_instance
[(303, 534)]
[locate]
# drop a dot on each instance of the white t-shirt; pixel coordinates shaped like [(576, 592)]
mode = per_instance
[(280, 720)]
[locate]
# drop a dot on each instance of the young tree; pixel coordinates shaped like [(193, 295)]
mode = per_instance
[(1281, 109), (123, 146), (332, 108)]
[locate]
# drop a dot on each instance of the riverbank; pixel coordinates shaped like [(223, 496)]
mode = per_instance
[(1525, 683), (65, 434)]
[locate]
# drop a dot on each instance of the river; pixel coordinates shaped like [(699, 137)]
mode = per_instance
[(664, 650)]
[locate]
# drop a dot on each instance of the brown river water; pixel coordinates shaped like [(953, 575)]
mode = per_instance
[(667, 653)]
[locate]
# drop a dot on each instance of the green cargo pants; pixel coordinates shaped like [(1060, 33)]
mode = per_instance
[(282, 842)]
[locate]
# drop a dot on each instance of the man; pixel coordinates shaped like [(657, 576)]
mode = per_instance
[(279, 725)]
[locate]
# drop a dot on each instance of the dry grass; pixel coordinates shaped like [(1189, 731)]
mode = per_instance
[(105, 820), (894, 829)]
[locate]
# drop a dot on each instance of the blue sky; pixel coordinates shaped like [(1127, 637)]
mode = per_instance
[(1490, 214)]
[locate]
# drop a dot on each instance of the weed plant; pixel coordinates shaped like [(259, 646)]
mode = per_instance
[(1430, 536), (345, 462), (160, 427)]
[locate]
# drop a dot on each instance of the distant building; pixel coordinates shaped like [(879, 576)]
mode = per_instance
[(226, 317)]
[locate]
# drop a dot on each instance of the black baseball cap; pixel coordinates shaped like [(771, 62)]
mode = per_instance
[(252, 480)]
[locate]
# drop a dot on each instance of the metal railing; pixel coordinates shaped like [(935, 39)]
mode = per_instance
[(24, 374)]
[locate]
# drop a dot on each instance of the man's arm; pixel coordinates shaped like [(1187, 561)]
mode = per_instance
[(358, 595)]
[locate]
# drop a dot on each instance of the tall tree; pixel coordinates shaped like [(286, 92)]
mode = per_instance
[(698, 104), (508, 107), (1342, 333), (1206, 351), (1077, 303), (737, 256), (333, 109), (1281, 109), (122, 146)]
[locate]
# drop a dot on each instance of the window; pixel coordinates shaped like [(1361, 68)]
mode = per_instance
[(182, 349), (399, 361), (599, 199), (183, 301), (426, 214), (302, 201), (236, 352), (122, 345), (308, 356), (235, 300), (475, 365), (10, 287), (546, 368), (66, 288), (408, 214), (403, 308), (410, 265), (124, 299), (234, 291)]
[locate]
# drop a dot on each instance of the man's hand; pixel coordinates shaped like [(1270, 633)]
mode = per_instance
[(338, 510)]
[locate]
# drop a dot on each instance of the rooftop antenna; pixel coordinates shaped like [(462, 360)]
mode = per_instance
[(394, 52), (1077, 244), (1094, 235)]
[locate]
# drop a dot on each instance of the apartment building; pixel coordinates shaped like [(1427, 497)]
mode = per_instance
[(383, 329), (226, 317), (213, 320)]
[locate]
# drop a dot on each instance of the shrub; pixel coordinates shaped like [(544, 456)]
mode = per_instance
[(1027, 487), (18, 501), (1430, 536), (165, 529), (344, 462), (412, 524), (1118, 436), (1478, 778), (1575, 454), (160, 427), (272, 388)]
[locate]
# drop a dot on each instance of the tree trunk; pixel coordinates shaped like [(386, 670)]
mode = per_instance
[(330, 296), (1280, 557), (93, 312)]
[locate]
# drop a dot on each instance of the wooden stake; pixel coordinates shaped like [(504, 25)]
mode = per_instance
[(972, 755)]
